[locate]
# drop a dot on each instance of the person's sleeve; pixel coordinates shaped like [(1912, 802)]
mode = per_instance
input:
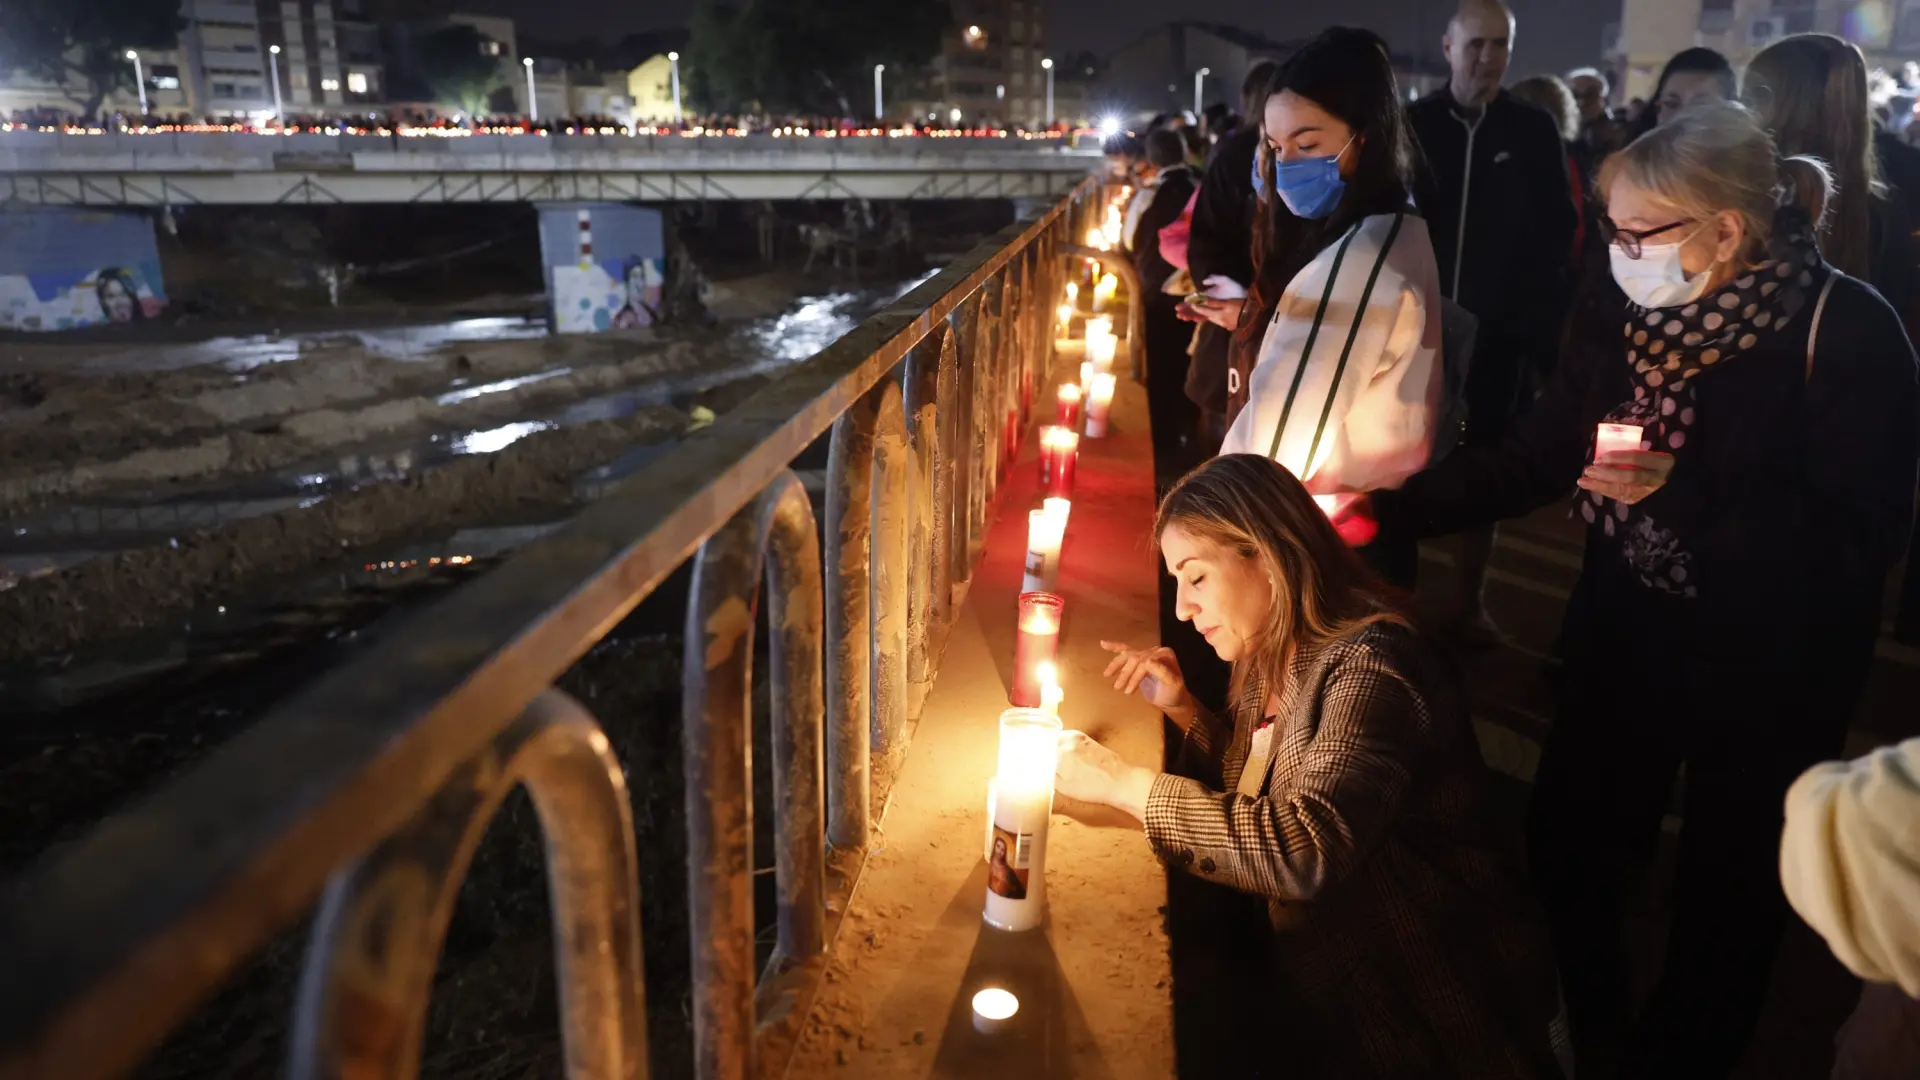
[(1203, 746), (1850, 500), (1850, 861), (1535, 463), (1390, 421), (1314, 826), (1221, 242)]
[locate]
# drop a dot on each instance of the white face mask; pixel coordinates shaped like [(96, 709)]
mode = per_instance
[(1657, 279)]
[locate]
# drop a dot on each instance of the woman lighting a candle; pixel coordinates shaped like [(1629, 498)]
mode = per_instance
[(1346, 790)]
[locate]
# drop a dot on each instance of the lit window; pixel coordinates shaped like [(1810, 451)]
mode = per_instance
[(329, 84), (489, 48), (166, 82), (356, 83)]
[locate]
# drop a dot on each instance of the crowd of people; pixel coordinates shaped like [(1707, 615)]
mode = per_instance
[(1369, 323), (428, 122)]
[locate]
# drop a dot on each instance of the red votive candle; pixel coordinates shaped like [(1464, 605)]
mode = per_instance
[(1068, 414), (1049, 459), (1038, 643), (1066, 456)]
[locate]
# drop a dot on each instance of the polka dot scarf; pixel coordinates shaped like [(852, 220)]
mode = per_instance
[(1669, 349)]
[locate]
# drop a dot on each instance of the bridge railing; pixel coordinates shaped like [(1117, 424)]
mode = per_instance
[(368, 792)]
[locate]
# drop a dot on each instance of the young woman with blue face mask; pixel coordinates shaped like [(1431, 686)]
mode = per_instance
[(1336, 367), (1725, 614)]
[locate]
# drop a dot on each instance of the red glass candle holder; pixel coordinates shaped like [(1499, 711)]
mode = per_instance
[(1066, 457), (1038, 643), (1067, 414)]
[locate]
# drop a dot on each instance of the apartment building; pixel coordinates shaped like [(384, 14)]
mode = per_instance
[(989, 68)]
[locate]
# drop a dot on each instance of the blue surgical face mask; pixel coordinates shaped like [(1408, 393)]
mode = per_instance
[(1311, 188), (1259, 182)]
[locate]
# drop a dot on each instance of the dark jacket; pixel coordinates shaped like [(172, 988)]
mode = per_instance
[(1496, 192), (1169, 201), (1406, 943), (1222, 243), (1795, 494)]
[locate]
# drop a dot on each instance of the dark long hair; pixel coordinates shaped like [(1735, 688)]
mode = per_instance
[(1347, 73), (1698, 60), (1810, 92)]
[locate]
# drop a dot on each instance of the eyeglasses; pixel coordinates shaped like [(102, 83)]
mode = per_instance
[(1629, 241)]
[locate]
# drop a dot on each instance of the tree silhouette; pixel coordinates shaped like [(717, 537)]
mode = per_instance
[(81, 45), (457, 66), (808, 56)]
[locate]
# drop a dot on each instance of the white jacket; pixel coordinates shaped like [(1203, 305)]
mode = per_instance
[(1850, 861), (1380, 416)]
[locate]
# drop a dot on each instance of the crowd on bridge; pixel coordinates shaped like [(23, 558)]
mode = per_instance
[(400, 123), (1368, 323)]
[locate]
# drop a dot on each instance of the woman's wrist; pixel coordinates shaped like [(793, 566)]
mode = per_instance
[(1184, 712), (1132, 791)]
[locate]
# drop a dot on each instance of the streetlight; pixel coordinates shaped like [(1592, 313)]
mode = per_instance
[(139, 80), (1047, 64), (879, 102), (1199, 90), (273, 65), (674, 59), (533, 103)]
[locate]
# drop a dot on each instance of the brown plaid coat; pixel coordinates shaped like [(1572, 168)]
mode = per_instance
[(1406, 944)]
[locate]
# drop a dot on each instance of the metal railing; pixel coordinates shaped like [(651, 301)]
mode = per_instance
[(369, 791)]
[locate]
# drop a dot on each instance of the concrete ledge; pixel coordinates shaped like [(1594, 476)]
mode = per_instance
[(1094, 984)]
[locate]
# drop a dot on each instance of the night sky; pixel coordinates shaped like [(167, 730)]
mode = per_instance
[(1554, 35)]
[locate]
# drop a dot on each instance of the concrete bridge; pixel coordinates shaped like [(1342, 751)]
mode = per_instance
[(236, 168)]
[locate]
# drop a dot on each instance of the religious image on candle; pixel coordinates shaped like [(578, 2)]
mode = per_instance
[(1044, 534), (1022, 805)]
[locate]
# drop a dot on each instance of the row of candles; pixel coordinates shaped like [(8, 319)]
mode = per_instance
[(1020, 796)]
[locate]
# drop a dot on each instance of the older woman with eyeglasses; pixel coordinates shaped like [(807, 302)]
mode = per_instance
[(1736, 548)]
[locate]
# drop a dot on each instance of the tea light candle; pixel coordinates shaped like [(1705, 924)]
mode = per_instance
[(1066, 460), (1038, 642), (993, 1009), (1613, 438), (1023, 802), (1050, 693), (1098, 405), (1044, 534), (1067, 406)]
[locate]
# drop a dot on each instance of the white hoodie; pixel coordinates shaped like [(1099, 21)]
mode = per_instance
[(1380, 417), (1850, 861)]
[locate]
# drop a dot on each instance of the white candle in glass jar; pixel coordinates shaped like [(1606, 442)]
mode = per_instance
[(1100, 351), (1045, 532), (1613, 438), (1099, 403), (1023, 801)]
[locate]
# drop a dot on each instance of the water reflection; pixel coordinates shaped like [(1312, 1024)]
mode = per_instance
[(496, 439)]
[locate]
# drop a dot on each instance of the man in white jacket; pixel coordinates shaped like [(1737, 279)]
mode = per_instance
[(1850, 862)]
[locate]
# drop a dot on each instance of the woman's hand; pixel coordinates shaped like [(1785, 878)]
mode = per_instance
[(1222, 313), (1092, 773), (1628, 475), (1131, 668)]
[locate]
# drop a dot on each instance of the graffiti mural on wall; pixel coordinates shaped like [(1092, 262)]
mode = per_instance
[(56, 301), (65, 267), (610, 295), (606, 265)]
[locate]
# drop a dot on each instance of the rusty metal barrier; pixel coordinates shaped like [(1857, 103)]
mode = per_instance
[(368, 791)]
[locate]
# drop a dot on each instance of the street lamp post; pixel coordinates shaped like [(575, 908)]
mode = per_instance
[(139, 80), (679, 117), (1048, 65), (879, 101), (533, 103), (1199, 90), (273, 69)]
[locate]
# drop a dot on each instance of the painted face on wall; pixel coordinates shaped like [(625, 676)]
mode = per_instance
[(116, 300)]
